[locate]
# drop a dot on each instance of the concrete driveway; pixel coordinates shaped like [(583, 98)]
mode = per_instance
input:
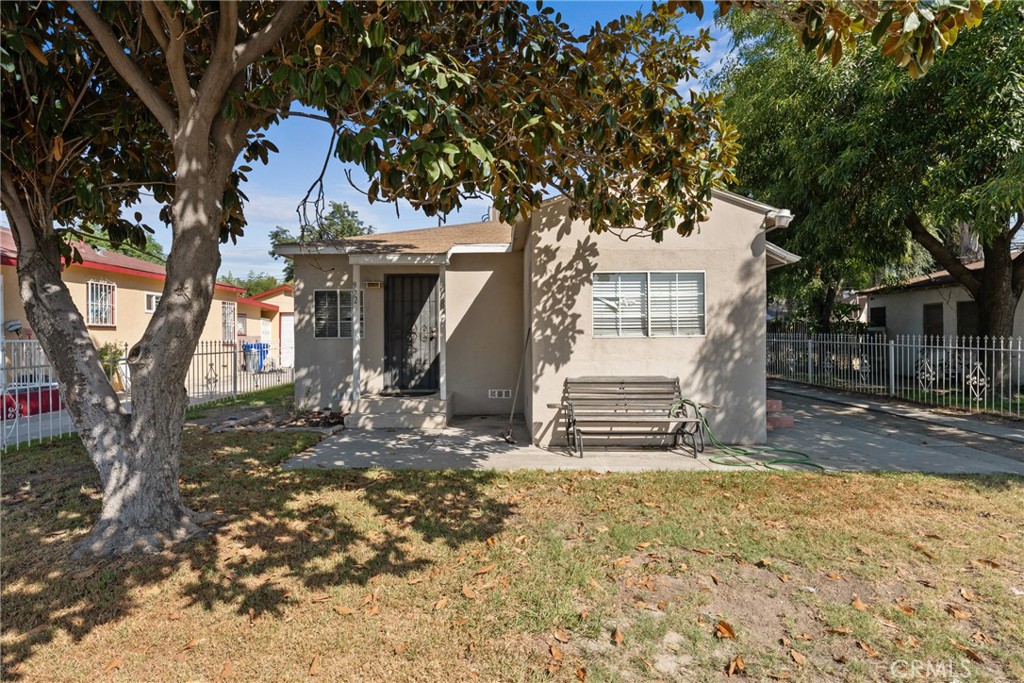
[(837, 436)]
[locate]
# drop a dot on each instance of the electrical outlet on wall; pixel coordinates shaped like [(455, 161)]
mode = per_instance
[(499, 393)]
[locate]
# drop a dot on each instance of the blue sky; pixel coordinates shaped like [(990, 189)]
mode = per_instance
[(275, 190)]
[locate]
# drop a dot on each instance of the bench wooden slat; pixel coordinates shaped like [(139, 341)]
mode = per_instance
[(609, 406)]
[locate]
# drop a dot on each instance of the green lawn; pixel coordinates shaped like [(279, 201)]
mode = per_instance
[(274, 397), (455, 576)]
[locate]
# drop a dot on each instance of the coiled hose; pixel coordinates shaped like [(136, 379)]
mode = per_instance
[(734, 456)]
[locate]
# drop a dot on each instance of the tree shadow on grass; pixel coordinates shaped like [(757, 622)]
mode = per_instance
[(283, 530)]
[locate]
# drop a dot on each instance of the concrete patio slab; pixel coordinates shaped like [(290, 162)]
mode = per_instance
[(836, 437)]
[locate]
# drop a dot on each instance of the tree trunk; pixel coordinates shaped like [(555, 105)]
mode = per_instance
[(136, 452), (997, 298), (142, 506), (821, 308)]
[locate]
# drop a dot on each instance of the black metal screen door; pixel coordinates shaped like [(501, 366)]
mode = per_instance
[(411, 361)]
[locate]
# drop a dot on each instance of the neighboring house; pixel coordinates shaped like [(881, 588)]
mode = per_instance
[(283, 298), (408, 328), (932, 305), (117, 294)]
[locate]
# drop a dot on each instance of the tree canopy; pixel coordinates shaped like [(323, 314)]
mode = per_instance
[(869, 158)]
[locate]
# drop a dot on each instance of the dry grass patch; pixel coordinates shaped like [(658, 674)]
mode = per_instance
[(453, 576)]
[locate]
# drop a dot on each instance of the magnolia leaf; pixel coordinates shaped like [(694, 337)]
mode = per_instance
[(724, 629)]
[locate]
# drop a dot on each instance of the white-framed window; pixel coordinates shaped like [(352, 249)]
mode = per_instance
[(152, 301), (228, 325), (243, 322), (649, 304), (332, 313), (100, 303)]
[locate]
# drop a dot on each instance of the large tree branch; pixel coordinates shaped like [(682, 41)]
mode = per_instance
[(174, 53), (934, 246), (261, 41), (125, 66), (1015, 228), (222, 72)]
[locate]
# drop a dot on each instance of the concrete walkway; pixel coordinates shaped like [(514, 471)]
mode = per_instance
[(837, 437)]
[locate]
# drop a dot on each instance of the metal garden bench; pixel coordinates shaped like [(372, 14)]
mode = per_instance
[(629, 406)]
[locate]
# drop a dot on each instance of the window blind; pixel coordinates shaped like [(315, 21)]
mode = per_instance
[(620, 304)]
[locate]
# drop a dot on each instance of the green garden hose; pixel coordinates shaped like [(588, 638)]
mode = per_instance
[(733, 456)]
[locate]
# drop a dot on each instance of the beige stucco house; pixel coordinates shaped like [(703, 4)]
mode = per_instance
[(409, 328), (934, 305), (118, 293)]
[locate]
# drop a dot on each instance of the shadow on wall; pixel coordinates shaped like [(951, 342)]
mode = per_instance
[(556, 326), (556, 316), (730, 365)]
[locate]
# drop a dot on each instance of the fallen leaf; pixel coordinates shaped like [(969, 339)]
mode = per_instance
[(924, 551), (320, 598), (715, 579), (967, 594), (906, 609), (84, 573), (784, 578), (981, 637), (662, 604), (864, 551), (485, 569), (803, 636), (617, 636), (723, 629), (784, 641), (781, 676), (858, 604), (401, 648), (842, 631), (195, 642), (372, 609), (735, 665), (764, 563), (971, 654), (988, 563), (413, 582), (581, 674), (926, 583), (440, 604), (620, 561), (798, 658), (314, 666), (872, 652), (470, 593), (226, 671), (561, 636), (344, 611), (114, 663), (835, 576), (556, 653), (957, 613)]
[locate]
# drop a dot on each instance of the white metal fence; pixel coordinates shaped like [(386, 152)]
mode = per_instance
[(977, 374), (33, 410)]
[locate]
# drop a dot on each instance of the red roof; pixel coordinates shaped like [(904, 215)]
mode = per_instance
[(290, 289), (100, 259), (249, 301)]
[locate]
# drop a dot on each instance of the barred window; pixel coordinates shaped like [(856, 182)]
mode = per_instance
[(228, 310), (100, 303)]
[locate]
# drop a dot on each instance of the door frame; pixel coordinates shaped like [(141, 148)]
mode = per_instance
[(394, 383)]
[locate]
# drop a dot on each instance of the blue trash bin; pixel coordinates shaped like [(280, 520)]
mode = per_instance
[(263, 350)]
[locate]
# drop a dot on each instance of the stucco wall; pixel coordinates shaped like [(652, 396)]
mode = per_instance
[(483, 325), (725, 367), (904, 311), (130, 314)]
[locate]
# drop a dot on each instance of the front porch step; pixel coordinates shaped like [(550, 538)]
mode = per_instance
[(398, 412)]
